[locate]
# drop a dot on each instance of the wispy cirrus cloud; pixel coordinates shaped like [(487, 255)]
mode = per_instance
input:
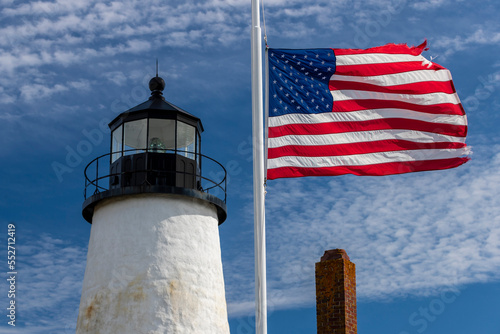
[(411, 234), (55, 27), (40, 91), (48, 285), (43, 37), (429, 4), (481, 36)]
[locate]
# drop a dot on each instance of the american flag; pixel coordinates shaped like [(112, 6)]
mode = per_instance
[(380, 111)]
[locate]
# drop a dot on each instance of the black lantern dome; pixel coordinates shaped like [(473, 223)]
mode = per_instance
[(155, 148)]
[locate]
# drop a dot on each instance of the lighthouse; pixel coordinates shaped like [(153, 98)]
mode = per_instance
[(154, 259)]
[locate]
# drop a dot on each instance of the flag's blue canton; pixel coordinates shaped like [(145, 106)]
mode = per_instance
[(299, 81)]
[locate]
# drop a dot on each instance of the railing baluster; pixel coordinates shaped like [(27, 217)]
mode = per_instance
[(97, 175)]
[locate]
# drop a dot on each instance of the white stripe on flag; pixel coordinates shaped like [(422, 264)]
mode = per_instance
[(376, 58), (363, 136), (421, 99), (398, 78), (366, 115), (367, 159)]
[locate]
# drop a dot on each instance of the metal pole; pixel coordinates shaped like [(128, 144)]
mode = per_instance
[(258, 174)]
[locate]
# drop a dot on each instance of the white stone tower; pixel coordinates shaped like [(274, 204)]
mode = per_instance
[(154, 260)]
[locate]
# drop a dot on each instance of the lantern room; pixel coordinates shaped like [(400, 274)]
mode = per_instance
[(155, 147), (156, 138)]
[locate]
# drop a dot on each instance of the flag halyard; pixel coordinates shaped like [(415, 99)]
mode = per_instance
[(379, 111)]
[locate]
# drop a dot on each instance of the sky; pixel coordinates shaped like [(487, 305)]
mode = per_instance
[(426, 245)]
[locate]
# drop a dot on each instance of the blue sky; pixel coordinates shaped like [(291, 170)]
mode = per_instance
[(426, 245)]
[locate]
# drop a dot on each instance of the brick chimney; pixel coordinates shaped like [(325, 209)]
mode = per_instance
[(336, 294)]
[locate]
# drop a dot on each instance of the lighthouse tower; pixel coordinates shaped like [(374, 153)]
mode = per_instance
[(154, 260)]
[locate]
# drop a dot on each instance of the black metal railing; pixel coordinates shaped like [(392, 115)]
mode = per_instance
[(98, 176)]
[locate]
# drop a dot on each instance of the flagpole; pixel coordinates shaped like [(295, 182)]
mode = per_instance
[(258, 174)]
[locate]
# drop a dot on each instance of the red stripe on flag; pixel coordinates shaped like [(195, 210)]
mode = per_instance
[(425, 87), (388, 48), (381, 69), (370, 125), (357, 148), (367, 170), (355, 105)]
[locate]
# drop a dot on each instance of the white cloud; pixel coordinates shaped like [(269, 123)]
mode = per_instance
[(55, 36), (482, 35), (6, 98), (59, 25), (44, 8), (408, 234), (83, 85), (116, 77), (38, 91), (50, 272), (428, 4)]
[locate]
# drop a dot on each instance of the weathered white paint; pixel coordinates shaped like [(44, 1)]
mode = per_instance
[(153, 266)]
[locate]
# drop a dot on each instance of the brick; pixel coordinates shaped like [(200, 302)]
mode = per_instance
[(336, 294)]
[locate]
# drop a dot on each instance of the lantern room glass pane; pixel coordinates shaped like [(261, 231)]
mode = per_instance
[(198, 147), (116, 143), (135, 134), (161, 135), (186, 140)]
